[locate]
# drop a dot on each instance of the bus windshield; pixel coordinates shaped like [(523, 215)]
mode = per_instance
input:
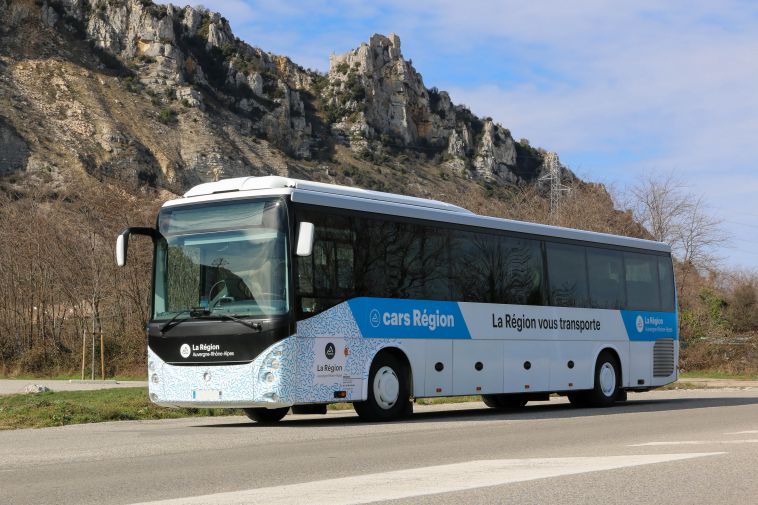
[(223, 257)]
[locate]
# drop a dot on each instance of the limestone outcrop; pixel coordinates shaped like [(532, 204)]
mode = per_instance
[(168, 96)]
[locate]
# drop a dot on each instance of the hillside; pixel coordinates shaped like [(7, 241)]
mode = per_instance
[(159, 96)]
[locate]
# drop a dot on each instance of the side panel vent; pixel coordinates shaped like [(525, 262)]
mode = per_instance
[(663, 357)]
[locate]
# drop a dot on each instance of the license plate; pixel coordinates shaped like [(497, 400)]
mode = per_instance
[(206, 394)]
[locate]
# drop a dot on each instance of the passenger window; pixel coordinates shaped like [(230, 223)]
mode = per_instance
[(523, 271), (666, 277), (325, 278), (478, 267), (606, 276), (642, 292), (567, 275)]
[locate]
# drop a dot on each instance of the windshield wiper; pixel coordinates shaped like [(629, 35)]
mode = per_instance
[(232, 317), (202, 313), (174, 321)]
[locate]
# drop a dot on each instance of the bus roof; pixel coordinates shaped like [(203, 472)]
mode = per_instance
[(333, 195)]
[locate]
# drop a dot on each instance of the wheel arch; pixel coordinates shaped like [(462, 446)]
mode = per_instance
[(397, 353), (614, 351)]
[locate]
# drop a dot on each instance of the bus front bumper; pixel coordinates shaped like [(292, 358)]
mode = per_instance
[(222, 386)]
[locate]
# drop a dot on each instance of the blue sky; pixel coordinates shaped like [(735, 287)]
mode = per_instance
[(618, 89)]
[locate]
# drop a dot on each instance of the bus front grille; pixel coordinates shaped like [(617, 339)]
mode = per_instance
[(663, 357)]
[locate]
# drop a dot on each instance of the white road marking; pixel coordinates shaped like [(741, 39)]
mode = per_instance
[(746, 432), (425, 481), (695, 442)]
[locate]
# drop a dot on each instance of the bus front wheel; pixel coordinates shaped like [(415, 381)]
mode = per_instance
[(388, 390), (262, 415)]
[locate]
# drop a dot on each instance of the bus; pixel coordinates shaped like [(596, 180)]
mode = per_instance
[(271, 293)]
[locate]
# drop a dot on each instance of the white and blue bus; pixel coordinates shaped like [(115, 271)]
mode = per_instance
[(272, 293)]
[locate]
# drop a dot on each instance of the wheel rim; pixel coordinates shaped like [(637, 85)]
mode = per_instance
[(386, 387), (607, 379)]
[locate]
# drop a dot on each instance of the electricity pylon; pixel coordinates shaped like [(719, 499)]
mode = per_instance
[(553, 175)]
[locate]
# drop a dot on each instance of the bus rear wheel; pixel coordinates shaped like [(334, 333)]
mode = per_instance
[(607, 381), (504, 401), (262, 415), (388, 390)]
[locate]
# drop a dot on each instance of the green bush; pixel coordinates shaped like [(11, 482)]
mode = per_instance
[(167, 116)]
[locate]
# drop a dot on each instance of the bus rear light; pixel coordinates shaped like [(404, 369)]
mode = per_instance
[(478, 388), (526, 386), (340, 394), (439, 390), (571, 384)]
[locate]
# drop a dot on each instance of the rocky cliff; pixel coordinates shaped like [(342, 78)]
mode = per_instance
[(161, 96)]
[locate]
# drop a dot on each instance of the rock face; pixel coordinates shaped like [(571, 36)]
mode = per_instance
[(165, 96), (184, 51), (35, 388), (13, 150), (377, 95)]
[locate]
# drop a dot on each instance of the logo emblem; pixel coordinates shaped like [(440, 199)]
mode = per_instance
[(329, 351), (185, 350), (374, 318), (640, 324)]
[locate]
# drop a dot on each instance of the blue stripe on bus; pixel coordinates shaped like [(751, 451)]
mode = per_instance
[(394, 318), (648, 326)]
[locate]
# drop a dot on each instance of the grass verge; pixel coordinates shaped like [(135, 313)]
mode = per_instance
[(43, 410), (681, 385), (717, 374)]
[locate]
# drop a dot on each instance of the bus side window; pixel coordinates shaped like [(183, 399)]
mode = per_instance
[(642, 291), (666, 278), (523, 271), (477, 266), (606, 276), (567, 275), (326, 276)]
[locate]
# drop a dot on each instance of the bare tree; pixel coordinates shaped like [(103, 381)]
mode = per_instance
[(679, 218)]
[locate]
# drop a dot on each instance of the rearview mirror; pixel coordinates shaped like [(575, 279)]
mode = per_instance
[(122, 242), (305, 239)]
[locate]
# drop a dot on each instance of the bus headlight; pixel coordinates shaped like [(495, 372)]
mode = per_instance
[(274, 364), (269, 377), (155, 378), (151, 366)]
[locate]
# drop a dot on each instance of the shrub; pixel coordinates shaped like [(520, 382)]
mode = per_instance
[(167, 116)]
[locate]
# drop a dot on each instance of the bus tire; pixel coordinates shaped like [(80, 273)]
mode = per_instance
[(505, 401), (388, 390), (607, 381), (262, 415)]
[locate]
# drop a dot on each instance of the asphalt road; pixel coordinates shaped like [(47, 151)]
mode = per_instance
[(672, 447)]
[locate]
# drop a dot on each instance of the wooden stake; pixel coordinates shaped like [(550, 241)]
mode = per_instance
[(84, 347)]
